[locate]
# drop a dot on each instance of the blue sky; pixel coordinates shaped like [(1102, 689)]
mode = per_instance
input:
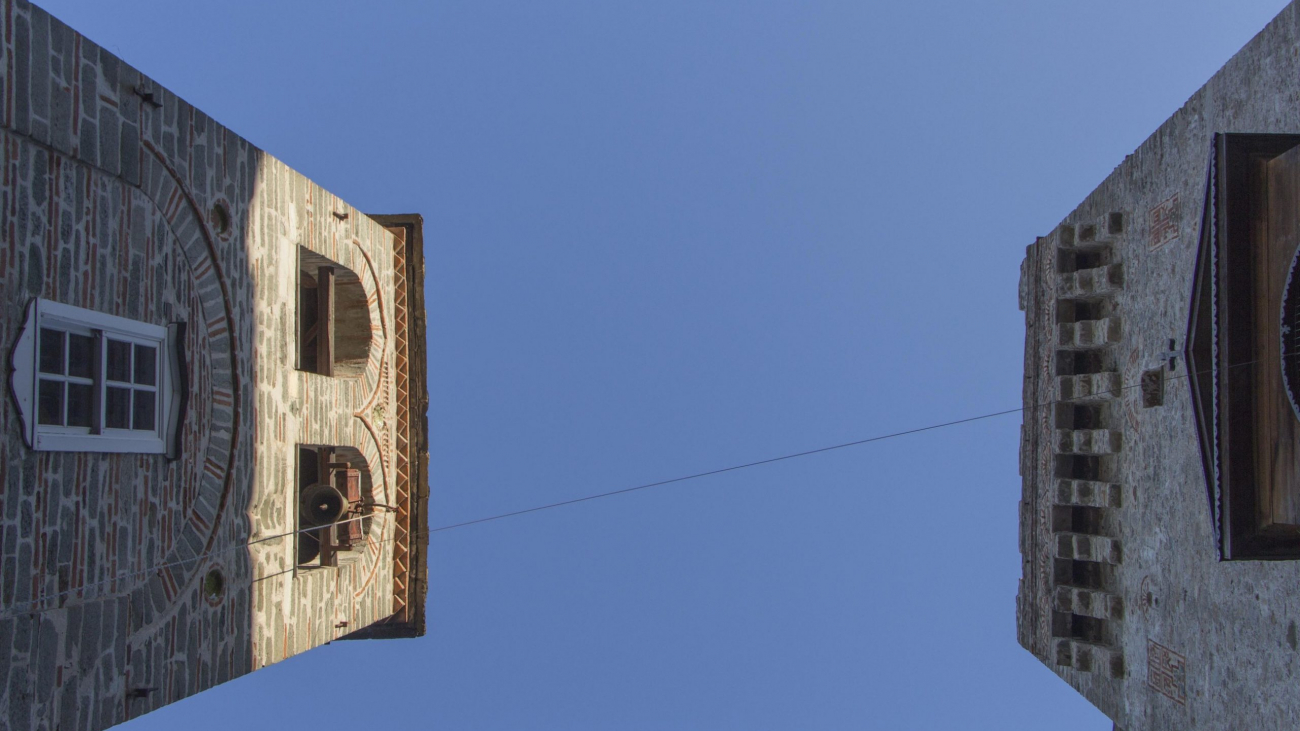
[(667, 237)]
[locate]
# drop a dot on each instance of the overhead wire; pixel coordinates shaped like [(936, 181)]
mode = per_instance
[(806, 453), (11, 611)]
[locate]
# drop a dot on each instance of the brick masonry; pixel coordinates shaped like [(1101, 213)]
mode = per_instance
[(1171, 637), (109, 196)]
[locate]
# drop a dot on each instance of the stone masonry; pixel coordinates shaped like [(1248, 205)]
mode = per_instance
[(1123, 593), (117, 196)]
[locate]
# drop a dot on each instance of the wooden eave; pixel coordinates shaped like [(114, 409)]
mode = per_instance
[(410, 572)]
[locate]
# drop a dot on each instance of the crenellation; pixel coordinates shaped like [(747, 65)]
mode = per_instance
[(1071, 498), (1145, 611), (1088, 441)]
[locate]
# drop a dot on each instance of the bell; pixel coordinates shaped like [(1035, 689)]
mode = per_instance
[(322, 504)]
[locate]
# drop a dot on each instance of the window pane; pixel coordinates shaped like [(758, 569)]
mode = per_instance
[(146, 365), (51, 350), (50, 409), (144, 410), (80, 402), (117, 408), (80, 355), (118, 367)]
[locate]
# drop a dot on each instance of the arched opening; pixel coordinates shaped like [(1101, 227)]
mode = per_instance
[(335, 502), (333, 317)]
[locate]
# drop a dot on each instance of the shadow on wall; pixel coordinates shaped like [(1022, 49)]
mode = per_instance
[(125, 581)]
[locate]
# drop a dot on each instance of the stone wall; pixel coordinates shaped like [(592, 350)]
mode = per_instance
[(1188, 641), (116, 195)]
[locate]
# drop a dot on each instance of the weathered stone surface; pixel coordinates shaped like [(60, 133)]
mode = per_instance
[(108, 201), (1172, 638)]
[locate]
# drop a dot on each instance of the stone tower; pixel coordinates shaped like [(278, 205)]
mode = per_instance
[(214, 432), (1160, 518)]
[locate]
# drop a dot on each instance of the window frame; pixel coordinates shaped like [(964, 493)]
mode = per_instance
[(1227, 315), (25, 379)]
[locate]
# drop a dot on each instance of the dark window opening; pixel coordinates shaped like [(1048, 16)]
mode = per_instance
[(1072, 260), (334, 503), (1080, 574), (1153, 388), (1080, 467), (96, 381), (1083, 362), (1080, 416), (310, 339), (1087, 519), (214, 586), (1088, 629), (334, 328), (1079, 310), (1088, 259), (1079, 627), (219, 216), (1078, 519)]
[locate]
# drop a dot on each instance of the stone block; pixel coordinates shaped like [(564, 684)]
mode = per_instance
[(1083, 547), (1088, 657), (40, 79), (110, 126), (1089, 333), (1089, 387), (1088, 493), (61, 117), (1088, 441), (21, 79), (1088, 603), (1098, 281), (129, 154)]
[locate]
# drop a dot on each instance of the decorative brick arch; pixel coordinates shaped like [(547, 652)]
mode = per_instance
[(198, 244), (375, 367), (372, 556)]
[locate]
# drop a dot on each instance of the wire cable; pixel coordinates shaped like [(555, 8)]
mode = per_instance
[(795, 455), (732, 468), (11, 611)]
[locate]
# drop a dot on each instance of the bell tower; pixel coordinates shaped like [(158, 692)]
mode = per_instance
[(215, 442)]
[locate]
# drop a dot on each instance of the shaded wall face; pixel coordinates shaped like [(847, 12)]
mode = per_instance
[(85, 530), (117, 196), (1203, 643)]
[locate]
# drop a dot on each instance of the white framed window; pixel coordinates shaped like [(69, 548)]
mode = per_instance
[(86, 381)]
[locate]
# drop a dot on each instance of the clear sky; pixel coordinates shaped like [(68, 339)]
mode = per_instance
[(671, 236)]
